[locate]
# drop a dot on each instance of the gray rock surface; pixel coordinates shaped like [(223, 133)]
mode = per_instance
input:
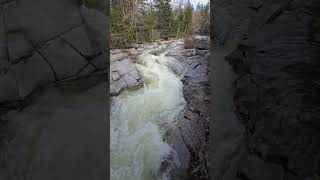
[(123, 74), (198, 42), (18, 47), (117, 56), (50, 43), (44, 20), (65, 61), (276, 92), (65, 34), (11, 18), (8, 87), (191, 138), (79, 39), (97, 25), (29, 78), (59, 134)]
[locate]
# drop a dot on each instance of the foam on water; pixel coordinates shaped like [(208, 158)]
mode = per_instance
[(140, 119)]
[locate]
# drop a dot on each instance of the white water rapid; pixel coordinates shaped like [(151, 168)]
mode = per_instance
[(141, 118)]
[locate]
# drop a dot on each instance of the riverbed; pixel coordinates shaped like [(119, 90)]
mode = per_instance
[(146, 122)]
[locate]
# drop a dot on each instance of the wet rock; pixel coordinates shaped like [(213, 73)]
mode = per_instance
[(192, 143), (183, 154)]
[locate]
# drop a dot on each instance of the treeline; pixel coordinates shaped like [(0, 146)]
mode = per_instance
[(138, 21)]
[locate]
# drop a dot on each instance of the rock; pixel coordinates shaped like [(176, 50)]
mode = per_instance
[(41, 26), (255, 168), (78, 38), (11, 17), (191, 138), (96, 23), (66, 62), (181, 169), (198, 42), (133, 45), (100, 62), (57, 116), (117, 57), (276, 95), (29, 78), (87, 70), (132, 51), (123, 75), (18, 47), (117, 86), (115, 51), (8, 88), (3, 45)]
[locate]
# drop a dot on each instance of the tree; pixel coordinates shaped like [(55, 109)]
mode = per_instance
[(188, 18), (164, 13), (201, 19)]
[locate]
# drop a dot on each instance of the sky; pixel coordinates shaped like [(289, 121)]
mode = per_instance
[(195, 2)]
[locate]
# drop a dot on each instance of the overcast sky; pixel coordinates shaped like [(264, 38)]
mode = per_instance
[(195, 2)]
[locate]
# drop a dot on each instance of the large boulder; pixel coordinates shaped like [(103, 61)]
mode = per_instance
[(123, 74), (197, 42)]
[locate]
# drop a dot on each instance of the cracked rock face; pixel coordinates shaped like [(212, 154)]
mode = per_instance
[(35, 50), (192, 135), (276, 92), (123, 74)]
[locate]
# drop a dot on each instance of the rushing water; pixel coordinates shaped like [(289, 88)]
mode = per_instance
[(140, 119)]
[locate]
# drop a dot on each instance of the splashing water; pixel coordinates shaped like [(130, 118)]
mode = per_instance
[(140, 119)]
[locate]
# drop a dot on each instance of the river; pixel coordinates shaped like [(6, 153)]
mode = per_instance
[(141, 119)]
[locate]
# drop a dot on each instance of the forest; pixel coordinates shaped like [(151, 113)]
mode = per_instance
[(139, 21)]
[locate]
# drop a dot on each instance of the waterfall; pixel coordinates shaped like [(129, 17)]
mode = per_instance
[(141, 118)]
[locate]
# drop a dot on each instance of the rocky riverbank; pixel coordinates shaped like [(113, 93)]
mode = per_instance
[(190, 139), (192, 136)]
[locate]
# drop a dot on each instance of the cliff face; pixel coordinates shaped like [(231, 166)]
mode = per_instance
[(275, 90)]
